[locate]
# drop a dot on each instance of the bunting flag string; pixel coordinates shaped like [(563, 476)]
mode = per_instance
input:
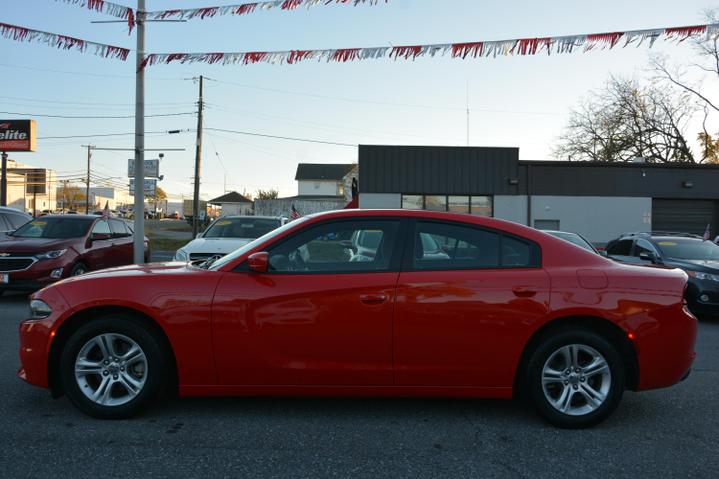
[(22, 34), (108, 8), (522, 46), (247, 8)]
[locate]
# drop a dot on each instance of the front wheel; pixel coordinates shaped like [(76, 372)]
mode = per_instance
[(112, 367), (575, 378)]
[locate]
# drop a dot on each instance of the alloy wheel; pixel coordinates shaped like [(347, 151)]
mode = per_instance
[(576, 379), (111, 369)]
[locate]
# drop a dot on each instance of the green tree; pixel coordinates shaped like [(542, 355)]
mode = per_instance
[(270, 194)]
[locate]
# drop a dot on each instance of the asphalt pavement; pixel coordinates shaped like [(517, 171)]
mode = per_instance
[(667, 433)]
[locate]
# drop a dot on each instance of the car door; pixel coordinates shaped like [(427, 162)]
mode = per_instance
[(622, 251), (643, 246), (98, 254), (319, 316), (121, 243), (463, 308)]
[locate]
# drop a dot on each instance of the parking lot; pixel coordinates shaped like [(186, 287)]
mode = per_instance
[(663, 433)]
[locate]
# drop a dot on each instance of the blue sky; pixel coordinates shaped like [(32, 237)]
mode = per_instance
[(515, 101)]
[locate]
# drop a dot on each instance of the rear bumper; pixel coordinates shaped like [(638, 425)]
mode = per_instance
[(665, 347)]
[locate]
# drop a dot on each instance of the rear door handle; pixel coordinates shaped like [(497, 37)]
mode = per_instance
[(373, 298), (523, 292)]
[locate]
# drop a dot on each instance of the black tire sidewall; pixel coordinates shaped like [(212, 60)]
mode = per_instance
[(78, 266), (126, 325), (552, 343)]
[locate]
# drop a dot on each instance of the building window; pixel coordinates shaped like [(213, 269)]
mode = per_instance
[(412, 202), (476, 205), (458, 204), (435, 203), (482, 206), (340, 189)]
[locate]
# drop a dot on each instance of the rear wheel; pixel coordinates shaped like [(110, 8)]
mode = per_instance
[(113, 367), (575, 378)]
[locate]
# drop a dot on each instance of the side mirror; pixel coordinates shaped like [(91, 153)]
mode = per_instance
[(100, 236), (259, 262), (648, 256)]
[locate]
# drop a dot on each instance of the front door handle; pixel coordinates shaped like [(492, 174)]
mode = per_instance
[(373, 298), (524, 292)]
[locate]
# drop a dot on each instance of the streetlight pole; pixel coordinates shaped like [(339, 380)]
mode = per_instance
[(3, 181), (139, 208)]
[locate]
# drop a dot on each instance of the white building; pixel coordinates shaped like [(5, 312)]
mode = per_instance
[(30, 189), (322, 180)]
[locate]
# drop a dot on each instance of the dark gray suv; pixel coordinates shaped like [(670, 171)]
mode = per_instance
[(698, 258)]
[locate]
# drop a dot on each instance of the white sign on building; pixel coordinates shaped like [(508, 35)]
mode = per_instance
[(152, 168), (150, 186)]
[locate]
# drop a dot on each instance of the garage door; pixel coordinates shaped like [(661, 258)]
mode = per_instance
[(686, 216)]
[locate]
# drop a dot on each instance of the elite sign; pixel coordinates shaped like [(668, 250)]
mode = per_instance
[(17, 135)]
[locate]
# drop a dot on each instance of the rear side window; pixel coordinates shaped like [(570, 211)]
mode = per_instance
[(444, 246), (620, 248)]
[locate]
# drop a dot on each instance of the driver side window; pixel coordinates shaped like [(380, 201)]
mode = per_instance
[(338, 247)]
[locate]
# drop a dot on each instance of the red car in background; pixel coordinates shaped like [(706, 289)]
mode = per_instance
[(491, 309), (55, 247)]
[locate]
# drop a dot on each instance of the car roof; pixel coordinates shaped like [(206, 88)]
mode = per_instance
[(248, 217), (561, 232), (74, 216), (8, 209)]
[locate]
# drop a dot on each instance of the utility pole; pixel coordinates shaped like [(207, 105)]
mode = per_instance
[(87, 180), (198, 161), (139, 234), (467, 112), (3, 181)]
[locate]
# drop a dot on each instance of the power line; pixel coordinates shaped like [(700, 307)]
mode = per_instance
[(184, 103), (166, 132), (262, 135), (92, 117)]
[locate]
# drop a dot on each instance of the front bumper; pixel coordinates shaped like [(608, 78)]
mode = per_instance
[(36, 337), (703, 297), (37, 276)]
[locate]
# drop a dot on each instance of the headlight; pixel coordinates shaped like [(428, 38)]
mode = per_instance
[(51, 254), (39, 309), (181, 255), (704, 276)]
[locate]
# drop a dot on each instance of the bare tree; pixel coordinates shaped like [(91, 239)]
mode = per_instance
[(625, 120)]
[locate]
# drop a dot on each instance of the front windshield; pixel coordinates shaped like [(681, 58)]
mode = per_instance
[(249, 246), (241, 227), (691, 249), (57, 228)]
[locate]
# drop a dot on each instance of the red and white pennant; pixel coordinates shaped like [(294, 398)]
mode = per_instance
[(521, 46), (22, 34), (247, 8), (108, 8)]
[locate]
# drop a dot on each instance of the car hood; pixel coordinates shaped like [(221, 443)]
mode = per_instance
[(140, 270), (701, 265), (215, 245), (14, 244)]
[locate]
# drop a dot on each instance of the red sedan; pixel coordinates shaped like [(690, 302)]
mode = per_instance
[(434, 304)]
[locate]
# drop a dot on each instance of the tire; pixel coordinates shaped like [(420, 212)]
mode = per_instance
[(78, 269), (105, 376), (585, 396)]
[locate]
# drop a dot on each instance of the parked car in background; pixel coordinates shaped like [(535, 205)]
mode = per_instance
[(226, 234), (505, 310), (54, 247), (574, 238), (11, 219), (699, 258)]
